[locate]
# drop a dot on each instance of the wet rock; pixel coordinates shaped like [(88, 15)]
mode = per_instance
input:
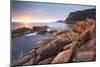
[(22, 60), (29, 58), (40, 29), (30, 62), (20, 31)]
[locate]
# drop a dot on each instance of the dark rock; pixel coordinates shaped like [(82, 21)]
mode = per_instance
[(22, 60), (29, 58), (20, 31), (46, 61), (88, 46), (49, 30), (60, 21), (81, 16), (30, 62), (40, 29), (92, 44)]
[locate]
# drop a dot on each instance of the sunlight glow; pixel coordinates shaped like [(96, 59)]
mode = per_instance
[(26, 19), (34, 21)]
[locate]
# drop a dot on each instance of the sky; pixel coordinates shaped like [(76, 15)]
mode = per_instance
[(27, 11)]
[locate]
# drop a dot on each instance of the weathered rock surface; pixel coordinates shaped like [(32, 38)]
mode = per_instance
[(62, 57), (82, 26), (44, 42), (70, 46), (46, 61), (56, 44), (29, 58), (84, 56), (86, 52), (65, 55)]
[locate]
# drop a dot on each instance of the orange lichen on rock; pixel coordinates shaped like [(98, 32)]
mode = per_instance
[(81, 26)]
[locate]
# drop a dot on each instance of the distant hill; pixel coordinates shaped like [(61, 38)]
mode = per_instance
[(81, 15), (60, 21)]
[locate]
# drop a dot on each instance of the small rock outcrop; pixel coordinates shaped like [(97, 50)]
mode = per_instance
[(20, 31), (40, 29)]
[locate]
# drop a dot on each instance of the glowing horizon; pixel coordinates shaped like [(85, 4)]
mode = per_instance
[(29, 12), (31, 21), (30, 17)]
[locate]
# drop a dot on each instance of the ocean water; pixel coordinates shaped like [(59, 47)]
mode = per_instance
[(21, 45), (58, 26)]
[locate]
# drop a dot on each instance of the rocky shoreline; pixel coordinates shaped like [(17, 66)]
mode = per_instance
[(75, 45), (35, 29)]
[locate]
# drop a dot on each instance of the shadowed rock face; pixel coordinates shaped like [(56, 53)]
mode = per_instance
[(46, 61), (81, 16), (84, 56), (20, 31), (86, 52), (40, 29), (64, 56), (56, 45)]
